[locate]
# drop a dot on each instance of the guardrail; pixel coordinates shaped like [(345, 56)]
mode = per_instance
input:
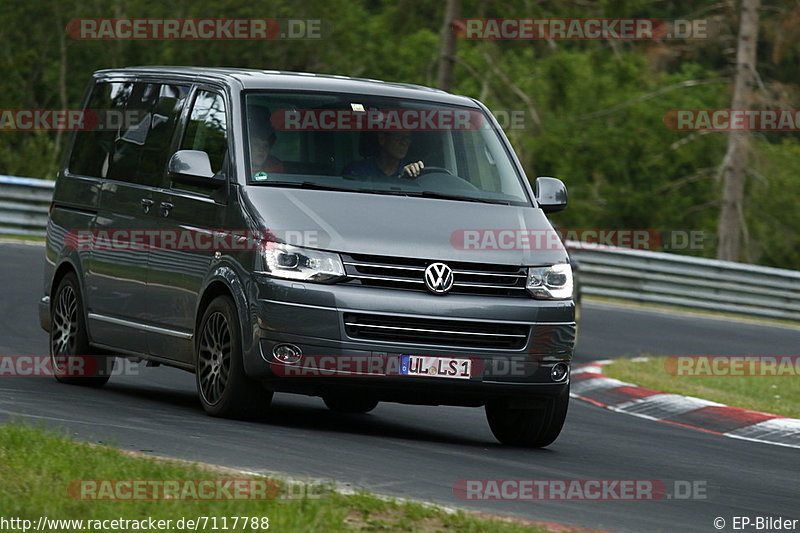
[(23, 205), (632, 275), (693, 282)]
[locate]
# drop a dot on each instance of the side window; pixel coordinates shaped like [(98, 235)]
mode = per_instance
[(143, 144), (165, 113), (207, 129), (91, 153)]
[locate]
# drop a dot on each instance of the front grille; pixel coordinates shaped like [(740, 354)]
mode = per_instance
[(457, 333), (408, 274)]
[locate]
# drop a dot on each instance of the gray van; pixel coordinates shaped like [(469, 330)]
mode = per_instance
[(269, 231)]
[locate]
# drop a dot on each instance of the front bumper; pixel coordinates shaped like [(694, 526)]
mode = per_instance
[(311, 317), (44, 313)]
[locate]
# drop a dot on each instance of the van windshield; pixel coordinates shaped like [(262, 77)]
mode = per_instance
[(378, 145)]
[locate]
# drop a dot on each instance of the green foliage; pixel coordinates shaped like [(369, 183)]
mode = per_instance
[(772, 204)]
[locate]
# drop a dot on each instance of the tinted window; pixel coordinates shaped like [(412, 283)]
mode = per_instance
[(207, 129), (144, 142), (91, 152)]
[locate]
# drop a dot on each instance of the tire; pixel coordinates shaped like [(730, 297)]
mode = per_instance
[(72, 359), (222, 385), (527, 427), (350, 404)]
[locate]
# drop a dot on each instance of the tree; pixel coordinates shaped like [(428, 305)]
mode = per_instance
[(447, 52), (734, 165)]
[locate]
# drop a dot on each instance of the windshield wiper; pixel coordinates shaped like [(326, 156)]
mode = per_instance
[(446, 196), (324, 187), (310, 185)]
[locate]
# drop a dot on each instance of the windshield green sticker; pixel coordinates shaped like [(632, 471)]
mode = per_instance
[(261, 176)]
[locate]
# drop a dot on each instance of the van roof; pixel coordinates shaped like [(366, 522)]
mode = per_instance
[(243, 78)]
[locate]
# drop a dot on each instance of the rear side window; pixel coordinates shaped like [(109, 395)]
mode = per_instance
[(133, 137), (91, 153), (207, 129)]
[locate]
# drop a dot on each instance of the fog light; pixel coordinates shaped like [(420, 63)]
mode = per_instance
[(559, 372), (287, 353)]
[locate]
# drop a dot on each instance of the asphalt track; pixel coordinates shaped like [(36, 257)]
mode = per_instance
[(420, 452)]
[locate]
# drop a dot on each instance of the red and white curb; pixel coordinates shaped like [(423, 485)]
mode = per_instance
[(589, 384)]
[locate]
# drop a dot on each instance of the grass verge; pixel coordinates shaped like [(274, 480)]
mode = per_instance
[(22, 238), (38, 466), (779, 395)]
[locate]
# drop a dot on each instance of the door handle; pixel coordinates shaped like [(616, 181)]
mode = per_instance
[(147, 204), (166, 207)]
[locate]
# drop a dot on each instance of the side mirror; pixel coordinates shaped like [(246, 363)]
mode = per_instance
[(551, 194), (193, 167)]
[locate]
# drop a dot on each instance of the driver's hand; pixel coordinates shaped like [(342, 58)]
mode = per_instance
[(412, 170)]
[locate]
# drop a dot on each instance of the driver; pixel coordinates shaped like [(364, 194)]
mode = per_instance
[(262, 139), (390, 159)]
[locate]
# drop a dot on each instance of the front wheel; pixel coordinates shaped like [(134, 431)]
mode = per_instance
[(223, 387), (528, 427)]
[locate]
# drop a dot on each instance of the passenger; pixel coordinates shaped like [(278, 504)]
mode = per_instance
[(390, 159)]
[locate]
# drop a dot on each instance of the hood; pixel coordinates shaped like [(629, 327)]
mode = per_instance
[(402, 226)]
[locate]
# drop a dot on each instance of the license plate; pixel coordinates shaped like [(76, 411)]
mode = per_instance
[(435, 367)]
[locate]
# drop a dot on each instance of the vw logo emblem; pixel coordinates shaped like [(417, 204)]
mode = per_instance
[(439, 278)]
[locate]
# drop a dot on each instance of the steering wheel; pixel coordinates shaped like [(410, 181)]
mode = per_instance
[(442, 170), (428, 170)]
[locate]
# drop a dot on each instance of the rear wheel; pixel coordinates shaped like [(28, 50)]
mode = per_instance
[(223, 387), (528, 427), (72, 359), (350, 404)]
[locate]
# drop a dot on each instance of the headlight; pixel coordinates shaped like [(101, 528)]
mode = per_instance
[(292, 262), (550, 283)]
